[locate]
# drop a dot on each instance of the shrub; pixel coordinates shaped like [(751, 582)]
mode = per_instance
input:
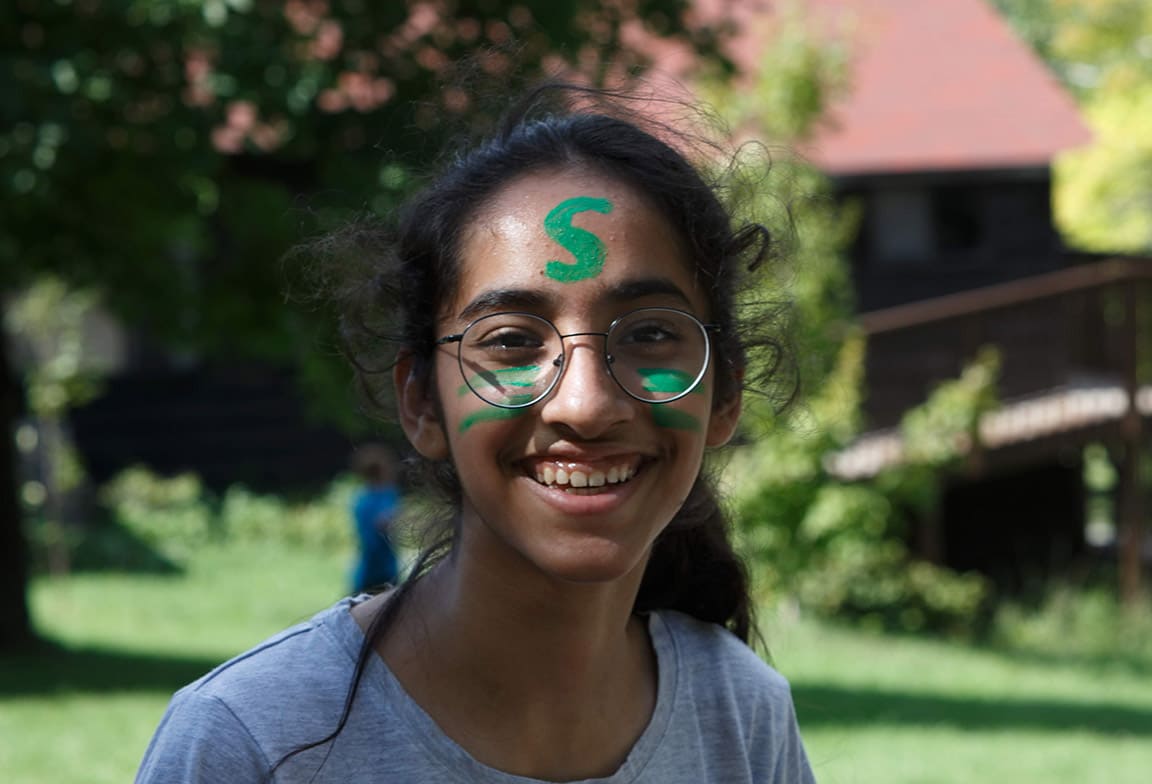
[(840, 548), (172, 515), (1086, 623), (322, 523)]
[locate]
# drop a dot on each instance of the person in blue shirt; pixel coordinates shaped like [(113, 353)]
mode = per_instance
[(374, 508)]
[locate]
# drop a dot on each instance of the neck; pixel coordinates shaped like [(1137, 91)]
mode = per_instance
[(565, 668), (537, 636)]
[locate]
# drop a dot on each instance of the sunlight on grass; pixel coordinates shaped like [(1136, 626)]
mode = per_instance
[(86, 712), (229, 598), (873, 708), (941, 755), (897, 709), (93, 738)]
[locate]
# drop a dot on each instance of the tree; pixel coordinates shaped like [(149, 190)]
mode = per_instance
[(839, 547), (156, 152), (1102, 50)]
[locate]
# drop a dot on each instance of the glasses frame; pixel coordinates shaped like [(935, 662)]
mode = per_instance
[(561, 361)]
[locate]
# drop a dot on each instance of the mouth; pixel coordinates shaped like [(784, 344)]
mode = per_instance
[(584, 477)]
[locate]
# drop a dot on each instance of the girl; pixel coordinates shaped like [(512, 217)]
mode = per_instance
[(568, 349)]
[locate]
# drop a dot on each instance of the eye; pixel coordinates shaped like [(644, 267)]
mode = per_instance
[(649, 332), (509, 339)]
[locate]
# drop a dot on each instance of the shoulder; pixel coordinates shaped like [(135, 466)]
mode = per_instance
[(729, 703), (300, 657), (720, 674), (706, 650), (252, 709)]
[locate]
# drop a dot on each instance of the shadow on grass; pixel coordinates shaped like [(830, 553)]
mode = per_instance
[(819, 705), (52, 669)]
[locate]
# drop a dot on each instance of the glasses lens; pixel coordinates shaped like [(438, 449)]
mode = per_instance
[(658, 354), (509, 359)]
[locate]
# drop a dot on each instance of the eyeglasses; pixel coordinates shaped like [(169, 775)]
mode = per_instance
[(513, 360)]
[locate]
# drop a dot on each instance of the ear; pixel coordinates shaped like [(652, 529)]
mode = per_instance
[(419, 414), (722, 423)]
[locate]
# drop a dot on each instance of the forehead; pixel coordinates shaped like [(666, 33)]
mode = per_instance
[(572, 238)]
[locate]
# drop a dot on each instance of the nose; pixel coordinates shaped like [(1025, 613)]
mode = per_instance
[(586, 400)]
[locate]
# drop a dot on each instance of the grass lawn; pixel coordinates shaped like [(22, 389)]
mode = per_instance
[(85, 712), (872, 708), (879, 708)]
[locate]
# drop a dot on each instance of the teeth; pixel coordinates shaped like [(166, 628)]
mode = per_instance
[(575, 477)]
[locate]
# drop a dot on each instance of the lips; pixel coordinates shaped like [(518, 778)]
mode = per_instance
[(575, 474)]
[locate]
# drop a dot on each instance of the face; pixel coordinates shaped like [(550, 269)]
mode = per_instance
[(578, 485)]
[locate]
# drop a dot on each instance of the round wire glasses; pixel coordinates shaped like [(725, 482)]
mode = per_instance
[(513, 360)]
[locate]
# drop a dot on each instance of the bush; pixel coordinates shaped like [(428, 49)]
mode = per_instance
[(322, 523), (170, 514), (1086, 623), (839, 548), (176, 515)]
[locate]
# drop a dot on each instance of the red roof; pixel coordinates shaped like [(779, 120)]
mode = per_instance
[(935, 85)]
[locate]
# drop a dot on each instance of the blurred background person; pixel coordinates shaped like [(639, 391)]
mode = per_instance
[(374, 509)]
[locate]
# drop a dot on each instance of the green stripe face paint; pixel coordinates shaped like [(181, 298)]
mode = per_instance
[(668, 381), (517, 377), (494, 414), (674, 418), (585, 247), (490, 414)]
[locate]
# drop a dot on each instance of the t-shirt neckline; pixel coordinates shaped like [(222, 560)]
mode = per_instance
[(380, 686)]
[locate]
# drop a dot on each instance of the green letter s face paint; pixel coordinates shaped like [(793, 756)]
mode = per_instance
[(584, 246)]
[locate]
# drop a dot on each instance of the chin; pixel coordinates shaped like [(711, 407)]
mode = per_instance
[(594, 563)]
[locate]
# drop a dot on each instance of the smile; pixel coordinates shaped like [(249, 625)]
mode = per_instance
[(572, 475)]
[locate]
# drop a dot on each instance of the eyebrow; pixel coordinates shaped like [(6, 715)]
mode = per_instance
[(629, 290), (533, 300), (495, 300)]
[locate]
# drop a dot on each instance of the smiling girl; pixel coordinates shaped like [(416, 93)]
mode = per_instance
[(565, 350)]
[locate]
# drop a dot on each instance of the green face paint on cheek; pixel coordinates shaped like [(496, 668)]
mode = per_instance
[(494, 414), (522, 376), (585, 247), (668, 381), (674, 418), (490, 414)]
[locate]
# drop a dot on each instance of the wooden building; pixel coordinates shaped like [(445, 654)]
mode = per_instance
[(946, 138)]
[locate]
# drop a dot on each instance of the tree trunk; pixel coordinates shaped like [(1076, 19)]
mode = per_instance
[(15, 622)]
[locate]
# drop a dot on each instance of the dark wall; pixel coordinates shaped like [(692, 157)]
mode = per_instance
[(228, 424), (928, 235), (1017, 528)]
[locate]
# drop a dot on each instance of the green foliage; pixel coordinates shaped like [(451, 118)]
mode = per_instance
[(49, 320), (172, 515), (176, 516), (841, 548), (158, 149), (1103, 192), (1102, 49), (322, 523), (836, 547), (1078, 623), (794, 80)]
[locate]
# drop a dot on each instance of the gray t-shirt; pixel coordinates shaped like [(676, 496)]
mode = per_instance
[(722, 715)]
